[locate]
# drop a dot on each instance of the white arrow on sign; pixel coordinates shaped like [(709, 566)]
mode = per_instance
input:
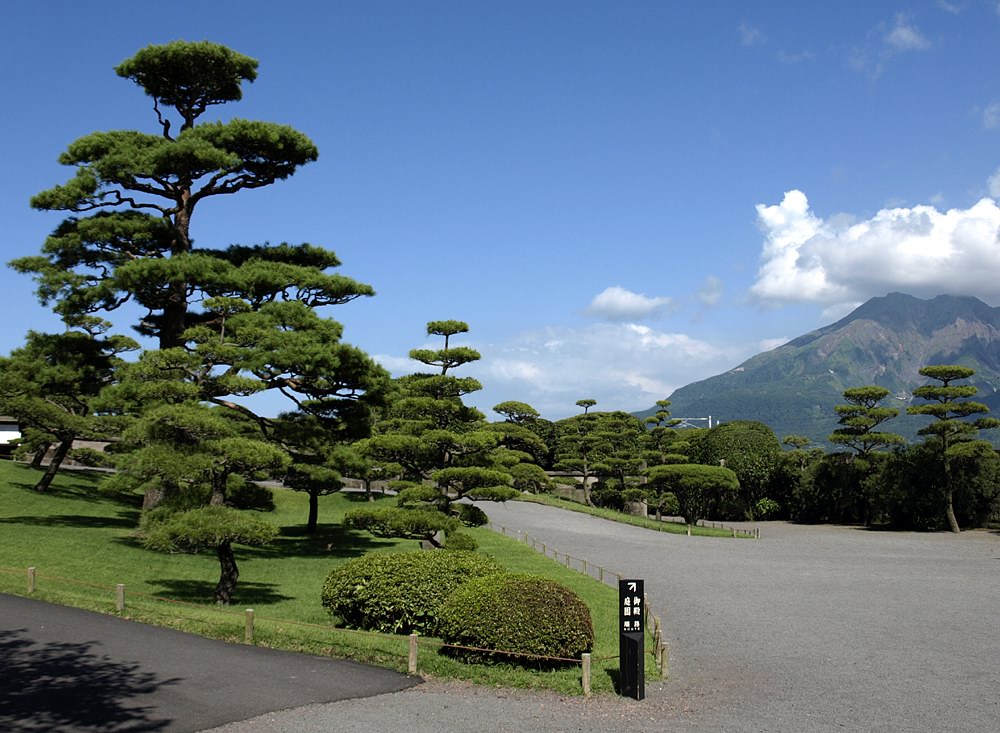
[(631, 586)]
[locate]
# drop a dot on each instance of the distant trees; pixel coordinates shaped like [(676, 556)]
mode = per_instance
[(860, 417), (50, 384), (952, 438), (445, 450)]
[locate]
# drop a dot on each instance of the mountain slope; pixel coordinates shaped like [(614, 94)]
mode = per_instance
[(885, 341)]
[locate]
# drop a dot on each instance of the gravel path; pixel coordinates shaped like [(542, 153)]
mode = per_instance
[(808, 629)]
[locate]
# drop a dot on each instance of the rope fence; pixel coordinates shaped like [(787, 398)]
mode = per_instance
[(661, 649), (249, 620)]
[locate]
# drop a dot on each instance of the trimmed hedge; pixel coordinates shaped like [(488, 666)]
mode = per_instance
[(518, 614), (399, 593)]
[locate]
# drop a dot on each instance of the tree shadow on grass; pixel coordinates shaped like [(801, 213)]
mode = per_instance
[(61, 686), (328, 541), (82, 485), (203, 592), (124, 520)]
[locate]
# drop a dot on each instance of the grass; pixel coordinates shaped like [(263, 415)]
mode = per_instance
[(616, 516), (80, 540)]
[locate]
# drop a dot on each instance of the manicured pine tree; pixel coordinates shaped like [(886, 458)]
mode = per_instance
[(948, 403)]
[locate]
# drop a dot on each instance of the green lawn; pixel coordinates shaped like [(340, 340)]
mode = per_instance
[(79, 539), (616, 516)]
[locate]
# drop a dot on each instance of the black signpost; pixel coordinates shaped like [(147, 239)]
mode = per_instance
[(631, 614)]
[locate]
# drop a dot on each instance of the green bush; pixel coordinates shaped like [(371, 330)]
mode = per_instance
[(460, 541), (516, 615), (400, 592)]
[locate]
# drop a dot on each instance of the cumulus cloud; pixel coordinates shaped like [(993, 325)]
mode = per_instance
[(618, 304), (624, 366), (838, 261)]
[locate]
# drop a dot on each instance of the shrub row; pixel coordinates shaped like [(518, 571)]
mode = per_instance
[(464, 598)]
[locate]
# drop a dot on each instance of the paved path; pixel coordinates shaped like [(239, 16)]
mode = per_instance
[(808, 629), (63, 669)]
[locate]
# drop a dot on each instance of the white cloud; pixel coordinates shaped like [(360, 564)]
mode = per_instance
[(769, 344), (618, 304), (993, 183), (991, 116), (711, 291), (904, 36), (751, 35), (624, 366), (839, 261), (787, 57)]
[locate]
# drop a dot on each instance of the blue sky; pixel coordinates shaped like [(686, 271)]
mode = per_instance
[(620, 198)]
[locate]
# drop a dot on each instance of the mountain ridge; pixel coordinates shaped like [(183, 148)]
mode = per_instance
[(884, 341)]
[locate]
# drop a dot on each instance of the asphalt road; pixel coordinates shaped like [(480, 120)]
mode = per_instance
[(808, 629), (63, 669)]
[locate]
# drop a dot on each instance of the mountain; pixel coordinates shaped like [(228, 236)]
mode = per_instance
[(885, 341)]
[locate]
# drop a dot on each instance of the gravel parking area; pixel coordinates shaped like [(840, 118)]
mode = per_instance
[(807, 629)]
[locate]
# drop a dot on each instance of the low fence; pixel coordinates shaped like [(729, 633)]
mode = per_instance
[(661, 649), (246, 621)]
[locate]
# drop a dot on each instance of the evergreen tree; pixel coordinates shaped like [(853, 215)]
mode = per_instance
[(953, 437), (50, 383), (445, 449), (230, 323)]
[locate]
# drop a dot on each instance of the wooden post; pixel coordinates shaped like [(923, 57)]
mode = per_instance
[(411, 667), (568, 562), (600, 573), (120, 597), (664, 660), (545, 549), (31, 579), (689, 530), (503, 530), (734, 533), (585, 667), (248, 629), (586, 570)]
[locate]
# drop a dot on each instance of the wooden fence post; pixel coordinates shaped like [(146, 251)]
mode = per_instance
[(586, 571), (411, 667), (600, 573), (248, 628), (585, 673), (120, 597), (664, 660), (31, 579), (568, 561)]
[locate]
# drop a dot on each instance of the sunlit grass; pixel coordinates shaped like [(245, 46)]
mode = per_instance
[(80, 540), (616, 516)]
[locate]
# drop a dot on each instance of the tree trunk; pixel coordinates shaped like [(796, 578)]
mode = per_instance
[(151, 499), (313, 512), (950, 511), (949, 494), (218, 495), (36, 460), (228, 576), (57, 458)]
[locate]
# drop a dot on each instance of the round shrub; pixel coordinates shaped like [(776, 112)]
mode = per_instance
[(400, 592), (519, 615)]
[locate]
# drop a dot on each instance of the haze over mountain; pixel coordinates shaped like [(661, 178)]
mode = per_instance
[(885, 341)]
